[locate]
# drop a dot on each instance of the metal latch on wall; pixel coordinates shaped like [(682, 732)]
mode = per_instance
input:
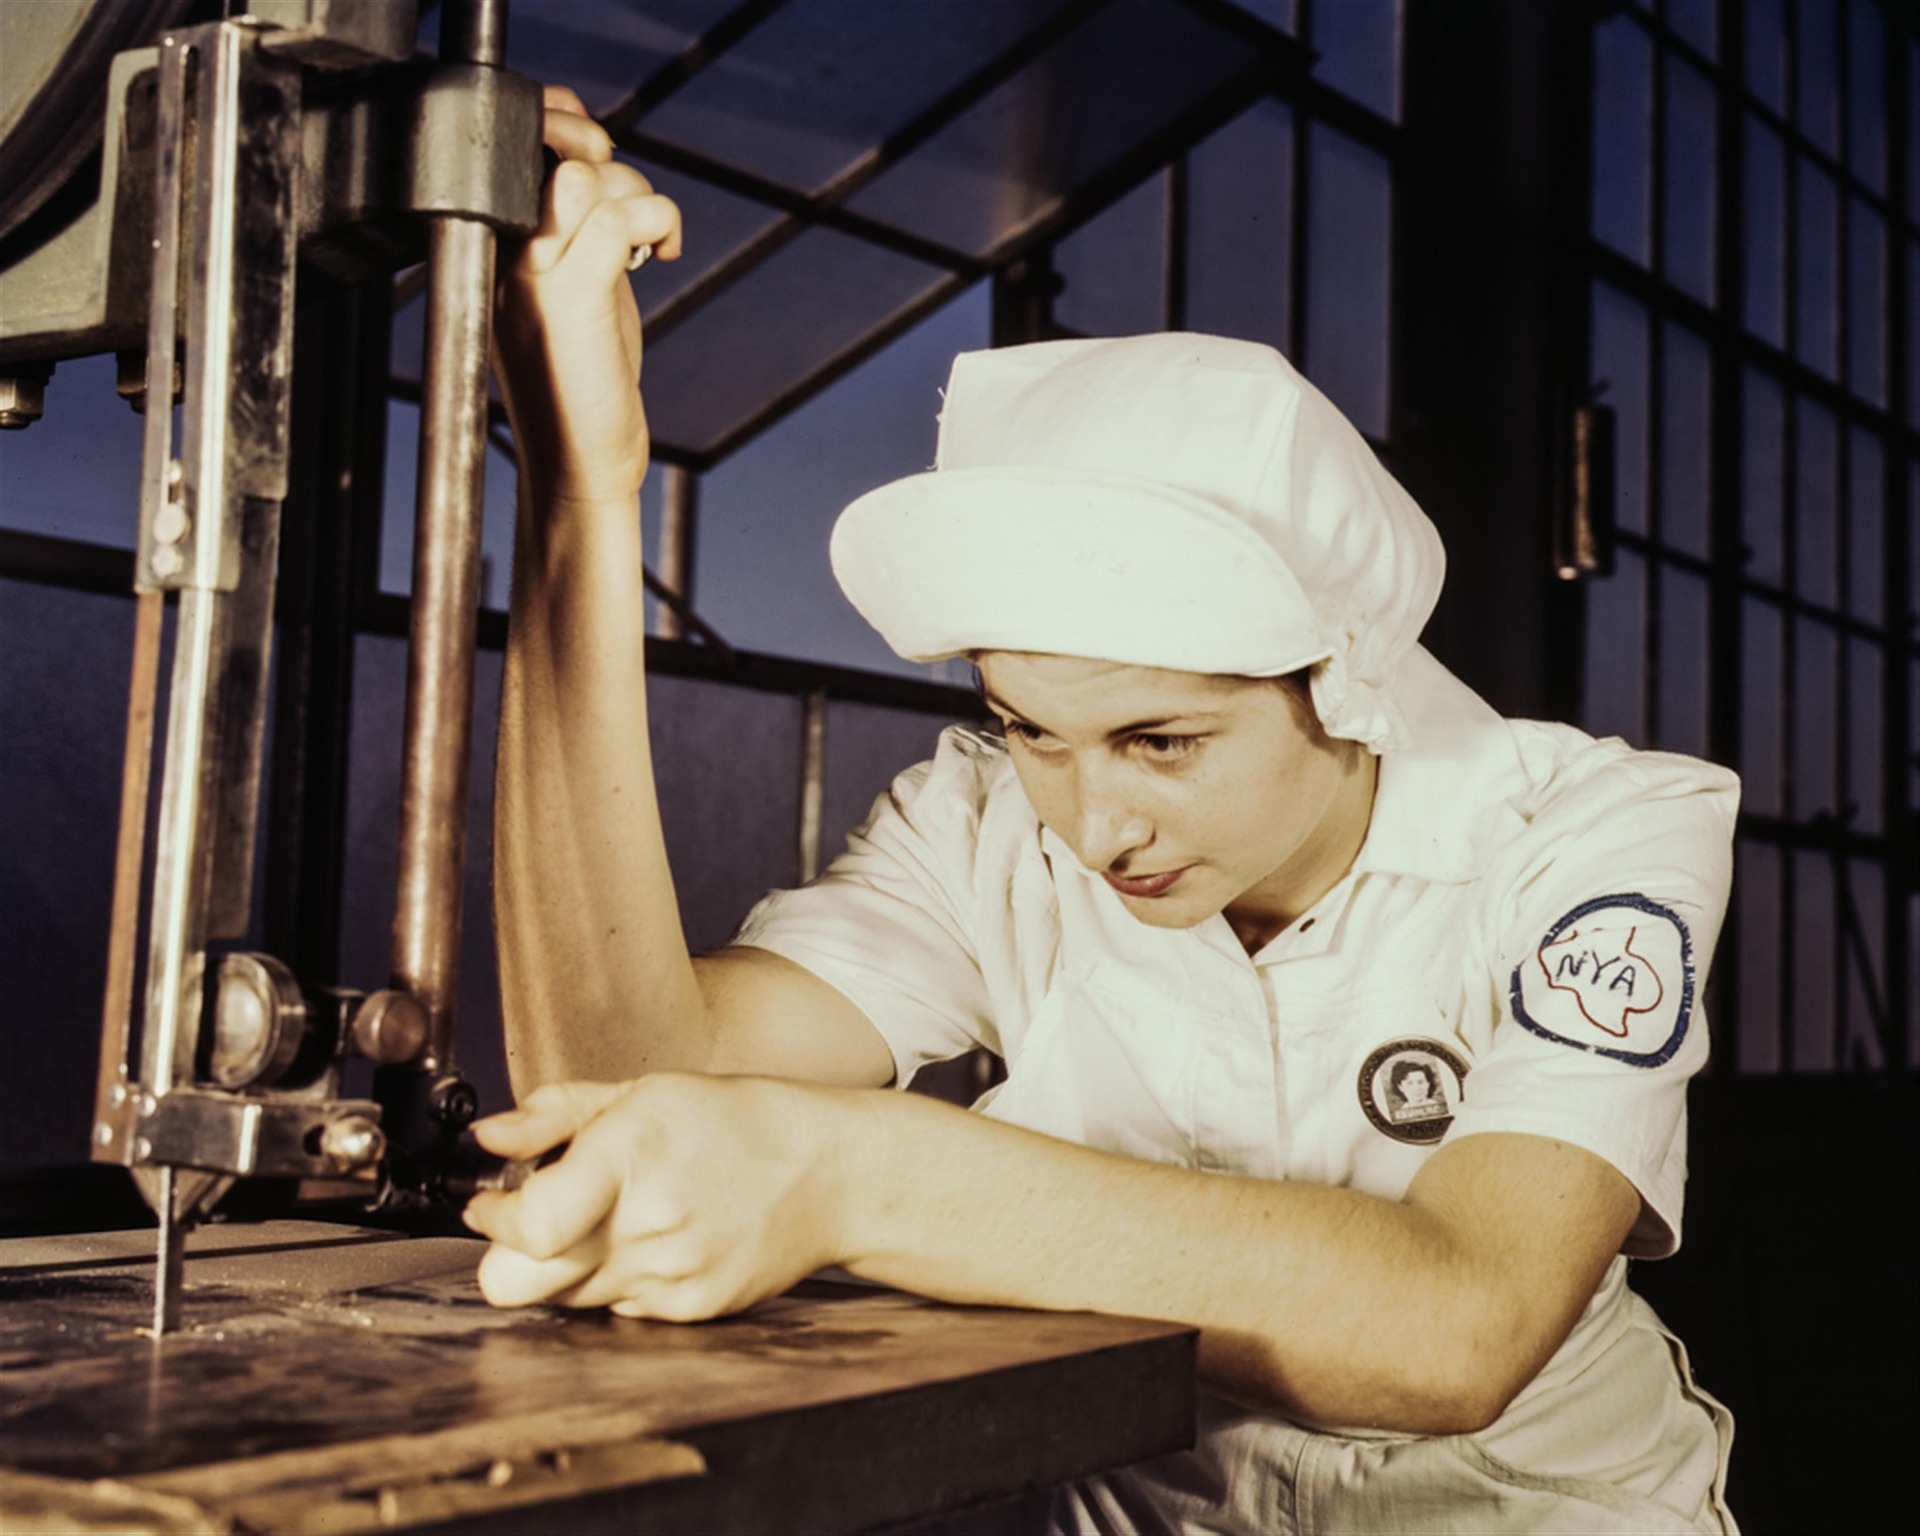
[(1583, 534)]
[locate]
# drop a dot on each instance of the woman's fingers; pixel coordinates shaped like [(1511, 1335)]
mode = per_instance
[(549, 1116), (586, 181), (596, 216), (556, 1209), (669, 1301), (587, 177), (573, 191), (509, 1278), (640, 1266), (644, 1248), (569, 131), (680, 1196), (614, 230)]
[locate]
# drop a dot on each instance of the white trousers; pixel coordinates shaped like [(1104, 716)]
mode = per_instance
[(1612, 1437)]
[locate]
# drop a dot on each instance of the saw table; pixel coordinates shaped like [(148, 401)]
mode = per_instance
[(340, 1379)]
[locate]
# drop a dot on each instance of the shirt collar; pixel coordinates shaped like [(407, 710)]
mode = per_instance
[(1442, 800)]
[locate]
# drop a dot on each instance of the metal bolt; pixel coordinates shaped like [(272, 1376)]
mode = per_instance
[(168, 561), (453, 1102), (22, 400), (148, 1104), (390, 1028), (117, 1095), (142, 1149), (131, 380), (352, 1141), (103, 1135), (170, 521)]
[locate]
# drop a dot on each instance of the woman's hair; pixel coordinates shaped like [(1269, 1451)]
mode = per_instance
[(1402, 1070), (1299, 682)]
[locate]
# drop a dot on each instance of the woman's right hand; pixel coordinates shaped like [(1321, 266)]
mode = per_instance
[(567, 330)]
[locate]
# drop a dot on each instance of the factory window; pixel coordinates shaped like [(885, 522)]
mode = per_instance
[(842, 243), (1753, 328), (1276, 227), (857, 210), (1274, 223)]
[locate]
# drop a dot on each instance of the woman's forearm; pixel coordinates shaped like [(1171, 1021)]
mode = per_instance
[(1325, 1304), (594, 974)]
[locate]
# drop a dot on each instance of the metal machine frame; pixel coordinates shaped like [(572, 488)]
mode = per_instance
[(234, 150)]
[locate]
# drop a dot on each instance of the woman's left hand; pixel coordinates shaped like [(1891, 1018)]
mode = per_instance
[(680, 1197)]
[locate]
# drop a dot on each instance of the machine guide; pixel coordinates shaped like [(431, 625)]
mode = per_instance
[(236, 150)]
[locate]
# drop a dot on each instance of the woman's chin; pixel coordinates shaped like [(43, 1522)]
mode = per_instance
[(1181, 909)]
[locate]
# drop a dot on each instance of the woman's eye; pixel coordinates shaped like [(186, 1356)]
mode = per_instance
[(1019, 730), (1167, 748)]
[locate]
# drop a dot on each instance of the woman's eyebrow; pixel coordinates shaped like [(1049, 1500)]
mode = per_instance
[(995, 701), (1184, 717), (1132, 728)]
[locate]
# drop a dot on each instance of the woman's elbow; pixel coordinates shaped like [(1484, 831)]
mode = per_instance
[(1469, 1403), (1431, 1390), (1461, 1385)]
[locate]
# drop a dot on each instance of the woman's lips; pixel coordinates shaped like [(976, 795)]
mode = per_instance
[(1143, 885)]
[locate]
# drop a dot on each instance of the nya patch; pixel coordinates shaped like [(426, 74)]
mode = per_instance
[(1614, 977)]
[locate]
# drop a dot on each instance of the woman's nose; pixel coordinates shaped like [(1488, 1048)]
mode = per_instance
[(1109, 830)]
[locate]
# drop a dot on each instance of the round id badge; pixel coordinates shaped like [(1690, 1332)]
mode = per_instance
[(1411, 1088)]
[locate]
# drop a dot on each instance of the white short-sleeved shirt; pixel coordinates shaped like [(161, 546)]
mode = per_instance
[(1520, 946)]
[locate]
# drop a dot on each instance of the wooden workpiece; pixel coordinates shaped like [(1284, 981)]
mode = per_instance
[(338, 1379)]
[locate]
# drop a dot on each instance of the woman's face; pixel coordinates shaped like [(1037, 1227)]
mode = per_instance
[(1191, 794), (1416, 1087)]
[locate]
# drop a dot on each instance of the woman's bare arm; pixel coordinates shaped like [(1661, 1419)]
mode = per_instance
[(596, 981), (687, 1197), (1425, 1315)]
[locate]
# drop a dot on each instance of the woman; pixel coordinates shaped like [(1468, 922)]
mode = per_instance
[(1244, 854)]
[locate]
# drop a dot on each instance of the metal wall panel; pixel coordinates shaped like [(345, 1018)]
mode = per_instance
[(64, 665)]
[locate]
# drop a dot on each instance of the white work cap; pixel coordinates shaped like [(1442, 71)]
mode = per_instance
[(1175, 501)]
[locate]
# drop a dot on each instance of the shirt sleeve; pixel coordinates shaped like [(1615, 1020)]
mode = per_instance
[(1601, 922), (890, 922)]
